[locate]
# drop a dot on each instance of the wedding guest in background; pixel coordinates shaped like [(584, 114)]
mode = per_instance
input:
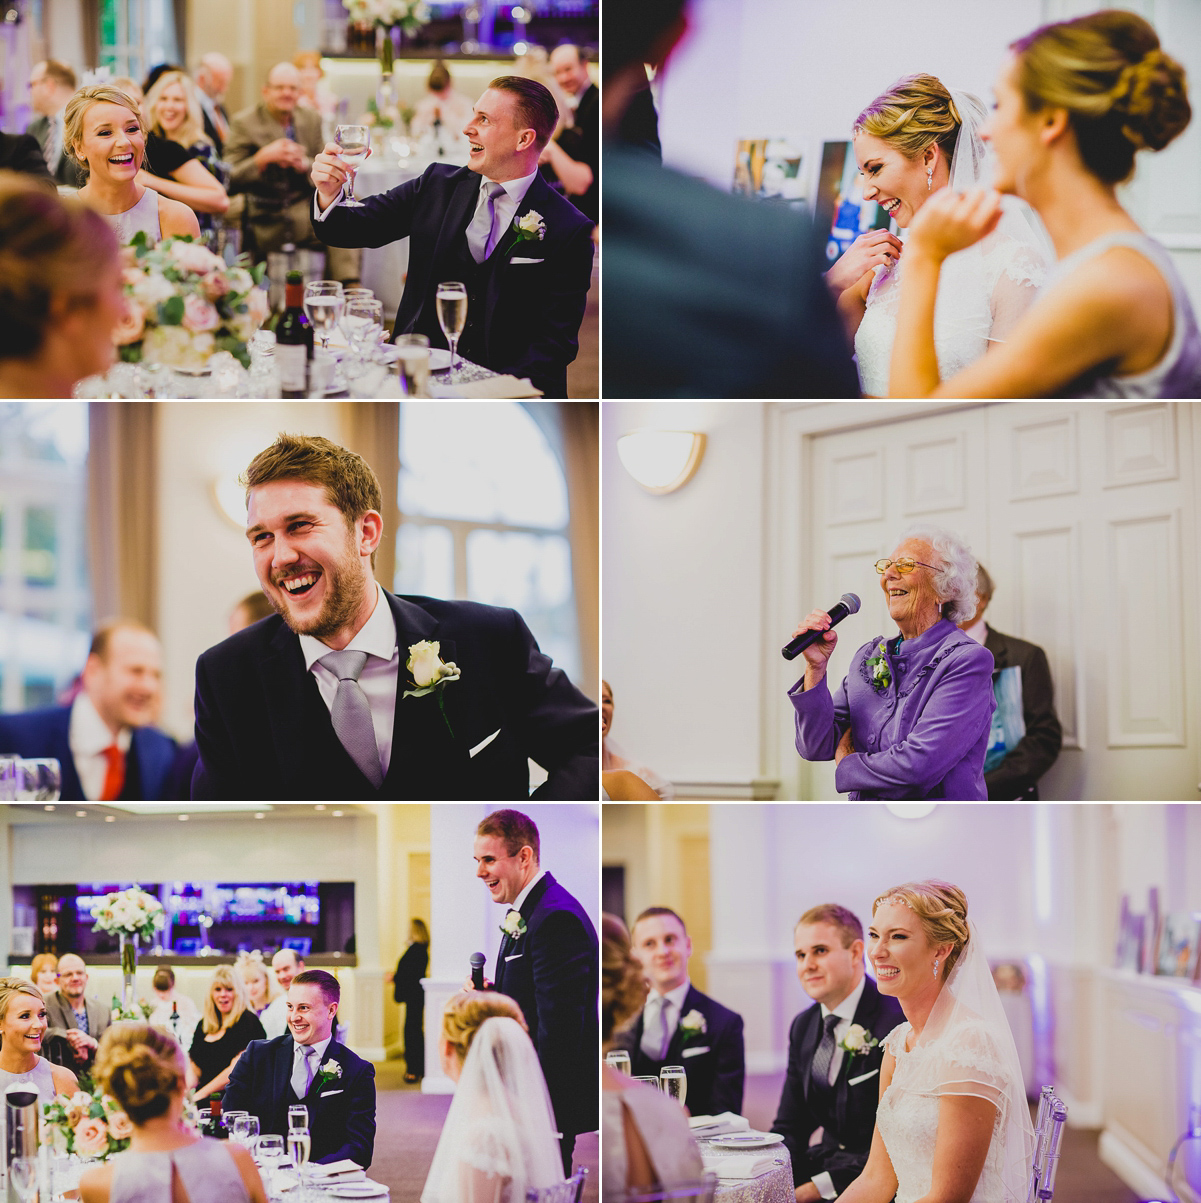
[(315, 93), (681, 1026), (145, 1071), (21, 153), (173, 1009), (226, 1028), (213, 75), (912, 716), (614, 760), (256, 979), (286, 964), (51, 85), (441, 106), (61, 295), (572, 157), (407, 989), (105, 740), (23, 1030), (547, 965), (251, 609), (43, 972), (827, 1110), (645, 1138), (534, 63), (131, 88), (105, 133), (73, 1014)]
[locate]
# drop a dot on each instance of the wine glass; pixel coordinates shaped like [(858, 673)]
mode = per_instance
[(619, 1060), (270, 1155), (298, 1116), (246, 1131), (674, 1082), (650, 1080), (451, 299), (363, 321), (413, 364), (38, 780), (23, 1173), (323, 302), (354, 149)]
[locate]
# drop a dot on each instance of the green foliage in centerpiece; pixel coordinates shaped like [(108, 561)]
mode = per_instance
[(87, 1125)]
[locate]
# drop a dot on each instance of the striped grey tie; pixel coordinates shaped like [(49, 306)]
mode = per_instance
[(825, 1053), (351, 713), (480, 236)]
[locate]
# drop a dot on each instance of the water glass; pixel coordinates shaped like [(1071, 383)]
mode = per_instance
[(650, 1080), (23, 1174), (246, 1131), (619, 1060), (38, 780), (323, 303), (298, 1117), (413, 365), (674, 1082), (363, 321)]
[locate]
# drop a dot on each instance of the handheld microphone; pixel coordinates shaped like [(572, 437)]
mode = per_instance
[(477, 970), (847, 604)]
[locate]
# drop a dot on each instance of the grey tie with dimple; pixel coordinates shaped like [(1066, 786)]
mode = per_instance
[(351, 713), (825, 1054), (480, 240)]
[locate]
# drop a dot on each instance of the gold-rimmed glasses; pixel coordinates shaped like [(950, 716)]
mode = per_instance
[(904, 565)]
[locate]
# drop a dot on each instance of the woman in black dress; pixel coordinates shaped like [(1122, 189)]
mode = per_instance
[(410, 969), (228, 1026)]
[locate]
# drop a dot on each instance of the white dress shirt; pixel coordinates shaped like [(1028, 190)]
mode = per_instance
[(845, 1012), (275, 1016), (517, 902), (669, 1005), (87, 736), (379, 678)]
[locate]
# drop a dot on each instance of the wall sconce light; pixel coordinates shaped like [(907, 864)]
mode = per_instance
[(661, 461), (230, 499), (910, 810)]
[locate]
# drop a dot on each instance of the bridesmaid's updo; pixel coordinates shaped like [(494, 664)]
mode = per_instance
[(915, 112), (468, 1009), (941, 909), (141, 1067), (1122, 92)]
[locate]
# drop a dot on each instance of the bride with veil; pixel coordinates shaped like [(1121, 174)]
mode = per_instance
[(953, 1121), (499, 1138)]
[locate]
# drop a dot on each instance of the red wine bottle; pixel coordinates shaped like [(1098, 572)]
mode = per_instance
[(294, 340)]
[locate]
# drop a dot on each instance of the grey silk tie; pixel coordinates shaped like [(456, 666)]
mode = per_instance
[(825, 1054), (351, 713), (480, 234), (302, 1075), (655, 1036)]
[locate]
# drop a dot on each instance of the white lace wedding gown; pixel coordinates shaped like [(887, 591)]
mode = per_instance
[(908, 1119)]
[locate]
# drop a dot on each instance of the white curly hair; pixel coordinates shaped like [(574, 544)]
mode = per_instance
[(955, 580)]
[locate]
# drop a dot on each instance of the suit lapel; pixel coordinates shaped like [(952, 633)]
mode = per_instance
[(282, 1078), (286, 682), (809, 1041)]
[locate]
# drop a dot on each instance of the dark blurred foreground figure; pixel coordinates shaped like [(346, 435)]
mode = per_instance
[(708, 295), (21, 152)]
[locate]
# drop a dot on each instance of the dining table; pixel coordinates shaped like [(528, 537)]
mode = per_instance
[(769, 1168)]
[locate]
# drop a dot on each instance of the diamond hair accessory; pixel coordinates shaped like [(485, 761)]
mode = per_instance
[(896, 900)]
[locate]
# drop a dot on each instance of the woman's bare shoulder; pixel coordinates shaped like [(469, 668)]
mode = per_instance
[(175, 218)]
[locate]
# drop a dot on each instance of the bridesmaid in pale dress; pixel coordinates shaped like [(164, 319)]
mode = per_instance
[(22, 1028)]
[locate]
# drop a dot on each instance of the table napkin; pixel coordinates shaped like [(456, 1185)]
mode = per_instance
[(718, 1125), (741, 1165), (491, 388)]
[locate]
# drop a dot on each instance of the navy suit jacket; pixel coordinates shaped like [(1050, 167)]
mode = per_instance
[(552, 973), (532, 311), (848, 1117), (341, 1110), (263, 731), (21, 152), (148, 766), (715, 1060)]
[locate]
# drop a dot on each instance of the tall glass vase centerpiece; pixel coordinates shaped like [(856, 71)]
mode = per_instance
[(129, 914), (390, 18)]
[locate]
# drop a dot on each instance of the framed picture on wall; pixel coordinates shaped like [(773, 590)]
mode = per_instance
[(769, 168)]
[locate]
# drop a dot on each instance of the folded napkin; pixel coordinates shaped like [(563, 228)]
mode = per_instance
[(338, 1171), (741, 1165), (718, 1125), (491, 388)]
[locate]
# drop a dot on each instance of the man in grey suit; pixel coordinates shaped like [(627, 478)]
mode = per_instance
[(71, 1014), (51, 85), (270, 150)]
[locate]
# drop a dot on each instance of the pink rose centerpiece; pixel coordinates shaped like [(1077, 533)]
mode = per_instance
[(183, 303), (87, 1125)]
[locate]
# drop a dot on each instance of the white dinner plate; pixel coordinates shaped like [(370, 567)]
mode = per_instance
[(746, 1140), (356, 1190), (439, 356)]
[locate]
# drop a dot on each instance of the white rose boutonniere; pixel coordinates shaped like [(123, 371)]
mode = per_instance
[(430, 674), (878, 665), (693, 1026), (530, 228), (329, 1072), (858, 1040), (513, 925)]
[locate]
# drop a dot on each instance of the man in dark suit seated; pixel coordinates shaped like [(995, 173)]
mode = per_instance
[(105, 742), (51, 85), (1014, 778), (307, 1065), (549, 965), (21, 152), (827, 1108), (681, 1026), (352, 692), (523, 251)]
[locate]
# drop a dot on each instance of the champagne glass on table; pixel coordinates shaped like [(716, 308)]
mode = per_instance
[(674, 1082), (619, 1060), (323, 301), (354, 149), (298, 1150), (23, 1171), (451, 300)]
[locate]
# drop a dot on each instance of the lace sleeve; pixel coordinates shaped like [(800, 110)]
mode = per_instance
[(487, 1151), (894, 1042), (1017, 271)]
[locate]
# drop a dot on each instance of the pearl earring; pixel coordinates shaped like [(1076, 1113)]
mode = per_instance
[(935, 966), (930, 178)]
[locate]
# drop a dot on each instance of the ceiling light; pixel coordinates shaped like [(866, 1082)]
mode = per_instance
[(337, 814), (319, 806), (258, 814), (81, 814), (110, 818), (47, 807), (183, 818), (661, 461)]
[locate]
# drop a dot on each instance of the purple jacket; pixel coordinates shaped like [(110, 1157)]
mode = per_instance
[(924, 736)]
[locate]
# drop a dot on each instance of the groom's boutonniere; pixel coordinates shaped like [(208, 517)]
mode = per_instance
[(878, 666), (430, 674), (858, 1040), (329, 1072), (693, 1026), (530, 228), (513, 925)]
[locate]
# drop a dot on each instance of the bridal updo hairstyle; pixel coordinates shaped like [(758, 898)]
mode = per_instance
[(914, 113), (467, 1010), (141, 1067), (941, 909), (78, 106), (623, 980), (1123, 94)]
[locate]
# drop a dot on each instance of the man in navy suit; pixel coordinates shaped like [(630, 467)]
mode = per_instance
[(549, 965), (828, 1105), (307, 1065), (104, 740), (349, 692), (526, 284), (681, 1026)]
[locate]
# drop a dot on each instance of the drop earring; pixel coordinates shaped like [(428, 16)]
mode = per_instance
[(930, 178), (935, 966)]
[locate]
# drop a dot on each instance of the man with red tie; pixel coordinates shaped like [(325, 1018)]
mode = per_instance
[(104, 740)]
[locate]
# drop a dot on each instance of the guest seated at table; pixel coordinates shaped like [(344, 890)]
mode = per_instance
[(572, 157), (499, 1139), (221, 1037), (43, 972), (61, 294), (172, 1010), (613, 759), (259, 989), (105, 133), (23, 1027), (180, 158), (645, 1140), (75, 1016), (145, 1071), (21, 152), (315, 93), (441, 108)]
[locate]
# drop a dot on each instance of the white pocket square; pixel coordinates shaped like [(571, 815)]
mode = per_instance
[(483, 743), (862, 1078), (518, 259), (326, 1093), (694, 1052), (515, 957)]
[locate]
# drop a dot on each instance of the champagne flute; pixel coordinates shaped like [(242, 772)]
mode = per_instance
[(674, 1082), (451, 299), (354, 149), (619, 1060), (23, 1172), (323, 302), (298, 1149), (650, 1080)]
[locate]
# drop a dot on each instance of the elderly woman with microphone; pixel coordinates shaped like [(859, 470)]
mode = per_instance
[(911, 719)]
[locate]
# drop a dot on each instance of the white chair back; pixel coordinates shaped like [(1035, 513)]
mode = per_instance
[(568, 1191)]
